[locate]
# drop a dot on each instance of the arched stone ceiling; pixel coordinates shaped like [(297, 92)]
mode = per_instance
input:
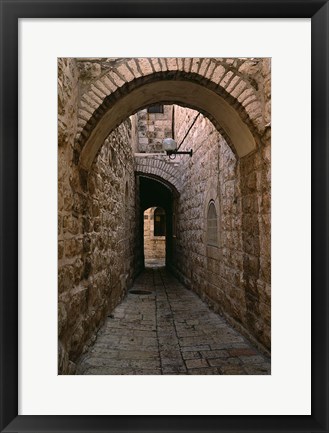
[(218, 92)]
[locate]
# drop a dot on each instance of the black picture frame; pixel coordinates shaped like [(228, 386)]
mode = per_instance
[(11, 11)]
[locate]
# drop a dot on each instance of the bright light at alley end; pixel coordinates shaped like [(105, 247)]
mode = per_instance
[(170, 147)]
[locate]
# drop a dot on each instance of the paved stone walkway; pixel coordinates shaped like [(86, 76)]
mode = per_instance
[(168, 331)]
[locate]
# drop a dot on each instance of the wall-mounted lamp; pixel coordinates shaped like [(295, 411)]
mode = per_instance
[(170, 147)]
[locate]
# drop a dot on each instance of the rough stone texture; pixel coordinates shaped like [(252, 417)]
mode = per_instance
[(96, 227), (234, 275), (154, 246), (162, 167), (169, 331), (245, 83), (68, 99), (256, 239), (153, 128), (98, 234), (99, 219)]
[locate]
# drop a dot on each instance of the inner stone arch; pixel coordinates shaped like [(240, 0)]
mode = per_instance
[(184, 93)]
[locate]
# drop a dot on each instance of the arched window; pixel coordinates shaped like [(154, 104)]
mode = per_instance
[(212, 229), (159, 222)]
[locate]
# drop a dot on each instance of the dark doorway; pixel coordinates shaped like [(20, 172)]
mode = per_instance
[(156, 195)]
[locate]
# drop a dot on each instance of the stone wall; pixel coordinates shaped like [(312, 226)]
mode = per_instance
[(153, 128), (256, 238), (96, 227), (154, 246), (233, 275)]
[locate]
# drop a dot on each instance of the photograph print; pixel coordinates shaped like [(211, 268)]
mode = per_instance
[(164, 216)]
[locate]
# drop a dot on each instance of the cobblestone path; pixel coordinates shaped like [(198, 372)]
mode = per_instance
[(168, 331)]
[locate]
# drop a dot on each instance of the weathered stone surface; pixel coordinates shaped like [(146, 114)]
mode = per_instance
[(67, 102), (153, 323), (153, 128), (96, 235), (225, 258), (89, 70), (222, 274), (106, 76)]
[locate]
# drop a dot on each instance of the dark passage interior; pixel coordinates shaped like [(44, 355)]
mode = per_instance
[(155, 194)]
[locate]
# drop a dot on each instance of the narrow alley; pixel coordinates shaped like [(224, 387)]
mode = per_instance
[(164, 164), (163, 328)]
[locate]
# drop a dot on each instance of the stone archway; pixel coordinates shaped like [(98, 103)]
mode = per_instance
[(161, 170), (221, 89)]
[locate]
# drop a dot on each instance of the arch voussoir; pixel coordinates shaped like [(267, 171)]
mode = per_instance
[(180, 64), (97, 91), (204, 67), (90, 101), (188, 65), (84, 115), (195, 65), (156, 64), (133, 66), (172, 64), (209, 71), (237, 91), (161, 169), (218, 74), (111, 87), (245, 95), (224, 77), (94, 97), (144, 66), (233, 83), (100, 86), (125, 73), (87, 107)]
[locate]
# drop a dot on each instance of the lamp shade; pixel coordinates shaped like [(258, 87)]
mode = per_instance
[(169, 145)]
